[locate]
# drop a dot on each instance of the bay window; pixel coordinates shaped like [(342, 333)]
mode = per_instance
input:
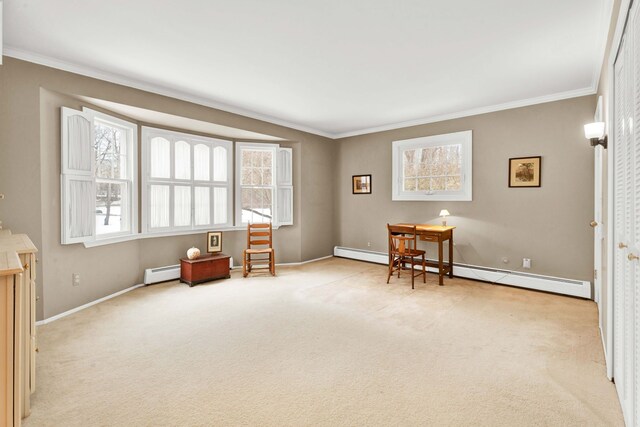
[(187, 181)]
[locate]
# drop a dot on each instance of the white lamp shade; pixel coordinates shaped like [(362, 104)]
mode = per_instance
[(444, 212), (594, 130)]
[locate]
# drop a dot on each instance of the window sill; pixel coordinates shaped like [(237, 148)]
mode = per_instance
[(140, 236), (432, 197)]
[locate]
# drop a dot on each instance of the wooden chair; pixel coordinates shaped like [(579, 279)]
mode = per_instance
[(259, 235), (402, 251)]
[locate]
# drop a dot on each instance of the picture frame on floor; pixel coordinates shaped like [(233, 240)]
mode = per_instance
[(214, 242)]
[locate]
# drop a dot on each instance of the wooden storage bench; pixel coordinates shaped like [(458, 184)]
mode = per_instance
[(204, 269)]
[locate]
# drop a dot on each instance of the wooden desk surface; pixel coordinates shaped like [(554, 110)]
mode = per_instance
[(430, 227)]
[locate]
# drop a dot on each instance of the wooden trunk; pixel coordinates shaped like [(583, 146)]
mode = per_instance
[(204, 269)]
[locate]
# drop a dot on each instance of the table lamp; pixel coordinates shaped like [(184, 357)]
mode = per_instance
[(444, 214)]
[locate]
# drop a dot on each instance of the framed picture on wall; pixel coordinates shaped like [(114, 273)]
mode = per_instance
[(524, 171), (361, 184), (214, 242)]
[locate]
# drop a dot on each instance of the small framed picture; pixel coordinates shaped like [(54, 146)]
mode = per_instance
[(361, 184), (214, 242), (524, 171)]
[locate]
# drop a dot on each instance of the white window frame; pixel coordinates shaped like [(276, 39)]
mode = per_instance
[(398, 147), (131, 132), (69, 175), (173, 136), (238, 174)]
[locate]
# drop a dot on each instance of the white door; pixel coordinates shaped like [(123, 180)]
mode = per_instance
[(626, 217)]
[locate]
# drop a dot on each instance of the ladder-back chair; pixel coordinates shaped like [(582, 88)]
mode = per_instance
[(259, 235), (402, 251)]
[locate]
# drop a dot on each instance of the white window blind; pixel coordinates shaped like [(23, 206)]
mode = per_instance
[(186, 184), (264, 184)]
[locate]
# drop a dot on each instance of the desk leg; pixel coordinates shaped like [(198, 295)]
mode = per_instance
[(451, 255), (440, 262)]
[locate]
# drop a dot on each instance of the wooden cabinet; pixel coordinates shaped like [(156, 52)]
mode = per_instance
[(204, 269), (17, 325)]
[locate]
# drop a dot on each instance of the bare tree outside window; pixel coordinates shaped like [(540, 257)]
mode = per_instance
[(256, 180), (110, 154), (437, 168)]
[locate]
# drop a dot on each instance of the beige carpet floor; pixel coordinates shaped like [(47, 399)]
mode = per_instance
[(328, 343)]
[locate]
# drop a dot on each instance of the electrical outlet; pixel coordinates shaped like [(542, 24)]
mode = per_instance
[(526, 263), (368, 244), (76, 279)]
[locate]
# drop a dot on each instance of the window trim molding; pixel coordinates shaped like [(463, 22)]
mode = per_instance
[(465, 194)]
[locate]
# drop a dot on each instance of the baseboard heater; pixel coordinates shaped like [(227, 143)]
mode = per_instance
[(576, 288), (165, 274)]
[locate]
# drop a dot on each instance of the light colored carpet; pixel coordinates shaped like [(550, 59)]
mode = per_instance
[(327, 343)]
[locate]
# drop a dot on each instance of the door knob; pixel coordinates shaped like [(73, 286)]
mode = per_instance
[(593, 224), (633, 257), (622, 245)]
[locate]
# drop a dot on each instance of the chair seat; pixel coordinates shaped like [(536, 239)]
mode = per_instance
[(259, 251), (412, 253)]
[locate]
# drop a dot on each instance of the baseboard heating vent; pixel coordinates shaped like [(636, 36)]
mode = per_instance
[(161, 274), (558, 285)]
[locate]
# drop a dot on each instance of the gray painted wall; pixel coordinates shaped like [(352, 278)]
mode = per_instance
[(30, 104), (549, 224)]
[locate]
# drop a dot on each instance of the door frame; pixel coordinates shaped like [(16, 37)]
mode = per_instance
[(598, 208)]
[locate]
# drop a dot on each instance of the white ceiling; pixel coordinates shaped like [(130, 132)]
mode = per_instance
[(332, 67)]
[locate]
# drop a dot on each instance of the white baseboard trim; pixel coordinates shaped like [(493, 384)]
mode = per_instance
[(576, 288), (87, 305), (606, 355), (290, 264), (108, 297)]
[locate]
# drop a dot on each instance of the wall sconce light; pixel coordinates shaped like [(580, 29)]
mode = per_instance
[(595, 133), (444, 214)]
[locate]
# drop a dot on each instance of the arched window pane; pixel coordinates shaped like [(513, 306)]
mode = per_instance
[(160, 158), (201, 163), (219, 164), (183, 160)]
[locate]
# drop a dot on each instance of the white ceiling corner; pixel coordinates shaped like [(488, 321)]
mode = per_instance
[(331, 68)]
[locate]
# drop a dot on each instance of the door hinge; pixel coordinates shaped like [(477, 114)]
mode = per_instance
[(595, 274)]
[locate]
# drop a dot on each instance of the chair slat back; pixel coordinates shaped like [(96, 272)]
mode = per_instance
[(402, 239), (259, 235)]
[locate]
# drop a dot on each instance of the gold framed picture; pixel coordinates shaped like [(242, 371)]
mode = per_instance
[(214, 242), (525, 171), (361, 184)]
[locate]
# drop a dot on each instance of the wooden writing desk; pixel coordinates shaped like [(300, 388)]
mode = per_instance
[(437, 234)]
